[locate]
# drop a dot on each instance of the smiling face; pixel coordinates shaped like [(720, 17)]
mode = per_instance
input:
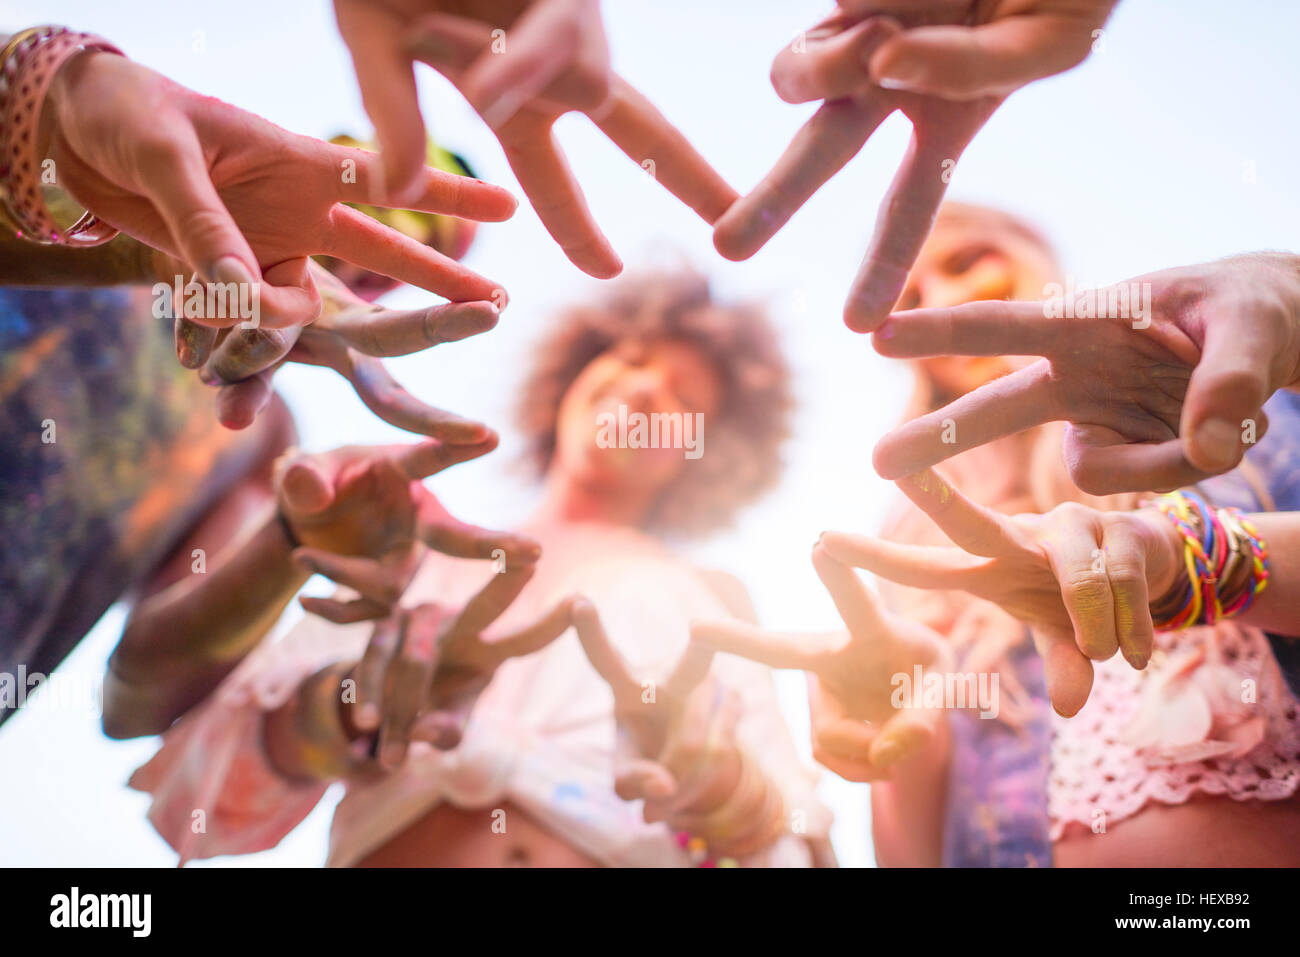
[(974, 254), (661, 375)]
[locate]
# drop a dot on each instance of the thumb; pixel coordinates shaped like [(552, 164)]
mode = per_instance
[(305, 487), (640, 778), (966, 63), (1228, 387)]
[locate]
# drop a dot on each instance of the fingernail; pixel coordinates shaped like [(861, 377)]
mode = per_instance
[(367, 716), (187, 357), (1216, 443), (886, 755), (901, 75), (229, 269)]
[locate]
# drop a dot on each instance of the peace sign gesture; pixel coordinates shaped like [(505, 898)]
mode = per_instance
[(361, 516), (426, 666), (676, 748), (1079, 577), (946, 65), (453, 45), (858, 730)]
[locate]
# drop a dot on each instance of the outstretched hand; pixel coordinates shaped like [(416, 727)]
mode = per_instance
[(858, 729), (1082, 579), (1162, 378), (946, 65)]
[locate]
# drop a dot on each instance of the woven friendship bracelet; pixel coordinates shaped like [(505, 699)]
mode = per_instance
[(28, 65)]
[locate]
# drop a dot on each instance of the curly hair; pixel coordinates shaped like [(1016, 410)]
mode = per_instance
[(752, 421)]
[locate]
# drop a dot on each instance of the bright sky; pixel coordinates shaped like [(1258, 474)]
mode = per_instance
[(1173, 144)]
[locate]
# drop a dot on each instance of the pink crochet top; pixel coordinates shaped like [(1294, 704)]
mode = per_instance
[(1211, 714)]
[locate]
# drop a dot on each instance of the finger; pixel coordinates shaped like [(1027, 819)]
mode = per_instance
[(388, 332), (193, 342), (544, 42), (905, 219), (550, 186), (855, 603), (424, 459), (796, 652), (972, 527), (365, 242), (832, 729), (640, 779), (609, 664), (1228, 387), (690, 670), (433, 191), (304, 485), (174, 176), (904, 735), (829, 66), (387, 81), (1076, 558), (441, 729), (1067, 670), (489, 602), (445, 533), (992, 328), (967, 62), (634, 125), (1103, 462), (388, 399), (821, 148), (287, 296), (366, 576), (240, 403), (345, 612), (1126, 569), (245, 352), (409, 677), (1006, 406), (525, 641), (917, 566), (371, 671)]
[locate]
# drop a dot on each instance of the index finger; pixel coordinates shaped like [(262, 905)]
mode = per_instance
[(609, 664), (491, 601), (992, 328), (1013, 403), (978, 530), (793, 651), (821, 148), (636, 127), (855, 603)]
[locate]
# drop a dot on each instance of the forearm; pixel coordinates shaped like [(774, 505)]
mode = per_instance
[(907, 810), (124, 261), (181, 642)]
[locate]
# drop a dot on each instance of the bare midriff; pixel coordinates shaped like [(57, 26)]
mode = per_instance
[(1204, 832), (448, 836)]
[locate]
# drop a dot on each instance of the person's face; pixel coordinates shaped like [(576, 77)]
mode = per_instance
[(644, 377), (968, 260)]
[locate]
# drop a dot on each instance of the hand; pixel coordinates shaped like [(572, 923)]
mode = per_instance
[(349, 337), (1154, 402), (457, 46), (548, 40), (857, 729), (676, 748), (238, 199), (1080, 578), (425, 667), (361, 514), (946, 65)]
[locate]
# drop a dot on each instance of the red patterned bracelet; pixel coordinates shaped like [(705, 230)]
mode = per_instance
[(28, 65)]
